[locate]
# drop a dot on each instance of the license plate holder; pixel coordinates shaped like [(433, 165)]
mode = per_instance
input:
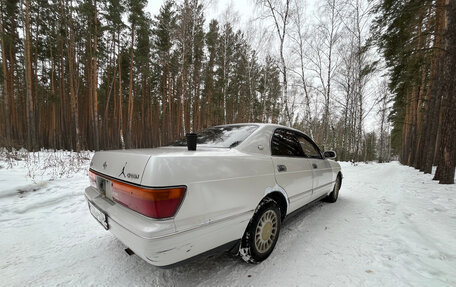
[(99, 215)]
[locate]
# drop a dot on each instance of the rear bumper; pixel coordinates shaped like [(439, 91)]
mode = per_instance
[(157, 241)]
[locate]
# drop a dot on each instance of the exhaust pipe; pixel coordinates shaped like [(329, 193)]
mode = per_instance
[(129, 252), (191, 141)]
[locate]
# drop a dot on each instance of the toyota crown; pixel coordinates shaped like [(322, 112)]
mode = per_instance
[(227, 187)]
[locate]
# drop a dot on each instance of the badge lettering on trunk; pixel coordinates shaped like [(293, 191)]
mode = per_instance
[(133, 175)]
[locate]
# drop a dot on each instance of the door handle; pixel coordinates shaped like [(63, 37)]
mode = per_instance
[(314, 165), (281, 168)]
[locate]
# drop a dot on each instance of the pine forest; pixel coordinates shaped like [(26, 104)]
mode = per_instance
[(372, 80)]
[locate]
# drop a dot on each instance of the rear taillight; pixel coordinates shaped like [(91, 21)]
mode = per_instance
[(93, 179), (151, 202)]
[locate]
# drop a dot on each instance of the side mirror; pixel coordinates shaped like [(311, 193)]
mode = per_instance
[(330, 154)]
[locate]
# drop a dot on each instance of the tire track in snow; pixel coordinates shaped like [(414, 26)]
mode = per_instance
[(388, 228)]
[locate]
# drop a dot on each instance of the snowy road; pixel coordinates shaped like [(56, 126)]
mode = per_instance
[(392, 226)]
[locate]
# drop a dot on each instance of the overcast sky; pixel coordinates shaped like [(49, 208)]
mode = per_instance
[(246, 11), (215, 8)]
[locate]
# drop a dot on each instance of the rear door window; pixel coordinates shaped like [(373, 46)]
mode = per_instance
[(285, 143)]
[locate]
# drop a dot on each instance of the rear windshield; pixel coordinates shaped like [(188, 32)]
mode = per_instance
[(222, 136)]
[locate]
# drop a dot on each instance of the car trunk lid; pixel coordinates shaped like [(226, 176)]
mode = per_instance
[(129, 165), (123, 165)]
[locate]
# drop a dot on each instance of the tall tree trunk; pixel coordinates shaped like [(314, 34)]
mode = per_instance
[(434, 95), (225, 44), (130, 88), (5, 80), (119, 56), (183, 91), (282, 32), (422, 101), (36, 109), (447, 163), (17, 128), (72, 78), (86, 104), (53, 129), (64, 134), (168, 93), (31, 137), (95, 78)]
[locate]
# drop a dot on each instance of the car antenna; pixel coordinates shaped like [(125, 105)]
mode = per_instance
[(191, 141)]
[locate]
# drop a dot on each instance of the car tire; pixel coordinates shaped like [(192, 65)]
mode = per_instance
[(262, 232), (334, 195)]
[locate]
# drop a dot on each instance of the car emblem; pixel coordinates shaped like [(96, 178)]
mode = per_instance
[(105, 165), (123, 170)]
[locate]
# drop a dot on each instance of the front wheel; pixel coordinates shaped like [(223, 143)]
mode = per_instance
[(262, 232), (334, 195)]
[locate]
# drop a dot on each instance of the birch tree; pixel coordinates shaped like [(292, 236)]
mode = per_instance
[(383, 154), (28, 80), (298, 36), (280, 13), (322, 58)]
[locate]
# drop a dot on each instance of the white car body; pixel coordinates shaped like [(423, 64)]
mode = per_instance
[(223, 188)]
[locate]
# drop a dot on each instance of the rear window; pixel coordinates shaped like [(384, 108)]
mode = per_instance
[(221, 136)]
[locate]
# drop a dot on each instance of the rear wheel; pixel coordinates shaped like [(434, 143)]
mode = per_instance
[(334, 195), (262, 232)]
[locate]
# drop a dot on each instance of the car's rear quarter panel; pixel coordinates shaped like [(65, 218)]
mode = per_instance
[(220, 186)]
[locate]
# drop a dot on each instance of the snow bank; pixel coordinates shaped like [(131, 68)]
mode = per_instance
[(392, 226)]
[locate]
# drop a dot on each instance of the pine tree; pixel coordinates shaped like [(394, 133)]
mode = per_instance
[(447, 149), (410, 34), (164, 24), (208, 97)]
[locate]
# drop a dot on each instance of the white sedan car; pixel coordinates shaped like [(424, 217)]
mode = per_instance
[(232, 192)]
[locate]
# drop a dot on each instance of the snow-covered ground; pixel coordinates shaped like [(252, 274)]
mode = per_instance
[(392, 226)]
